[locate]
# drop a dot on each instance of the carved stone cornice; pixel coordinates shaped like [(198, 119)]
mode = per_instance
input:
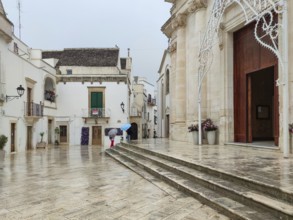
[(195, 5), (173, 47), (179, 21)]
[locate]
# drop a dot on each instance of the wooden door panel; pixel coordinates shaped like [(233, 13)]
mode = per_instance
[(96, 135), (249, 56), (63, 134)]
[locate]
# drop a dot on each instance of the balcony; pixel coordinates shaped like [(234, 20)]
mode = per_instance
[(151, 102), (50, 96), (33, 111), (134, 112), (95, 114)]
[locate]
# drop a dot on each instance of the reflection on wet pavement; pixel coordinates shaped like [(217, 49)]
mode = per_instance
[(80, 182), (267, 166)]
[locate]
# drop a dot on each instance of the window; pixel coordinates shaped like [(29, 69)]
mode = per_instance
[(167, 82), (15, 48), (69, 71), (97, 104)]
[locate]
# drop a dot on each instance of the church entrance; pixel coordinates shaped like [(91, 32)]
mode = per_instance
[(260, 105), (256, 104)]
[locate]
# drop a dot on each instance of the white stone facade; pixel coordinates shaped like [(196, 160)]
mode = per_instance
[(163, 96), (185, 30)]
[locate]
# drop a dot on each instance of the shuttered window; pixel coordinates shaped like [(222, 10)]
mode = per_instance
[(96, 100)]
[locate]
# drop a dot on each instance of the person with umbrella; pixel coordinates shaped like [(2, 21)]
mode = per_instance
[(125, 127), (112, 133)]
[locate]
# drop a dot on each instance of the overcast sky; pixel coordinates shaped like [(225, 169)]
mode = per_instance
[(59, 24)]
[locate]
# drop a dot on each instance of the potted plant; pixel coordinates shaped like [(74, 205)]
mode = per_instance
[(211, 129), (41, 144), (3, 141), (194, 129)]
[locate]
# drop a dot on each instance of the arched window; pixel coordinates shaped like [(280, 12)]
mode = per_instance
[(49, 93)]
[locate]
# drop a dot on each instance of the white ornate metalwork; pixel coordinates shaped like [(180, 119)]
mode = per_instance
[(266, 32)]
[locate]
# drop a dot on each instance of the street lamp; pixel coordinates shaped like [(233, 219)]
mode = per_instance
[(20, 91), (122, 106)]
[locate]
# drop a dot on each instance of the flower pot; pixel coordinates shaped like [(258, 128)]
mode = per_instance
[(195, 137), (2, 157), (211, 136)]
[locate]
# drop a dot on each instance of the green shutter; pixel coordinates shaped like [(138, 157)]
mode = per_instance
[(96, 100)]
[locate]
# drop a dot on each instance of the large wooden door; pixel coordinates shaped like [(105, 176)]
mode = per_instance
[(249, 56), (63, 134), (12, 137), (96, 135)]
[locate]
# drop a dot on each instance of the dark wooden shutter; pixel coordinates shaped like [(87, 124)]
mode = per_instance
[(96, 100)]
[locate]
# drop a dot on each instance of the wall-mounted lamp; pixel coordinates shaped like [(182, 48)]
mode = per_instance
[(20, 91), (122, 106)]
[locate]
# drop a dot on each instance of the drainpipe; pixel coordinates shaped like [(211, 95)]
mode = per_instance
[(285, 81)]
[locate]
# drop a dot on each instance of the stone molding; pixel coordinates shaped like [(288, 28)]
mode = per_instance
[(173, 47), (196, 5), (179, 21)]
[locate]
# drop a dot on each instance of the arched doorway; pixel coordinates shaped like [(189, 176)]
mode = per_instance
[(134, 131), (256, 115)]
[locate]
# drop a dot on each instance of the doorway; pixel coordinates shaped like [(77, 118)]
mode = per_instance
[(63, 134), (134, 131), (50, 127), (167, 125), (29, 137), (256, 99), (96, 135), (12, 137), (260, 103)]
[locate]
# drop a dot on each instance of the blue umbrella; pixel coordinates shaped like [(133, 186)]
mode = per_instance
[(125, 127)]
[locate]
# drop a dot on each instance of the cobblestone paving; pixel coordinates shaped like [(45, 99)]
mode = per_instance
[(82, 183)]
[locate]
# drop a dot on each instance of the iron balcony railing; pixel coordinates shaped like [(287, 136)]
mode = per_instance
[(33, 109), (96, 112)]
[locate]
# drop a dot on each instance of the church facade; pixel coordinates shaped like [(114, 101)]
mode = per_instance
[(241, 77)]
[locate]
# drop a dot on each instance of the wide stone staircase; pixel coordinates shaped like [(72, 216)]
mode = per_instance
[(234, 196)]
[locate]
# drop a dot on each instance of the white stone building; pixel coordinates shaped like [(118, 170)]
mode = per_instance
[(92, 84), (143, 108), (239, 92), (82, 92), (163, 96), (22, 119)]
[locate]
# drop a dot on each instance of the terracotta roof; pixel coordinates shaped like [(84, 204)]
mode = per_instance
[(85, 57)]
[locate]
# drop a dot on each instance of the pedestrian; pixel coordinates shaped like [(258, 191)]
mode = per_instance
[(129, 133), (112, 137)]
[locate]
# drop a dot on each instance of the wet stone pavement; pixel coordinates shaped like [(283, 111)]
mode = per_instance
[(80, 182), (258, 164)]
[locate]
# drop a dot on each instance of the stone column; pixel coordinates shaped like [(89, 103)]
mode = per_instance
[(180, 86), (198, 23)]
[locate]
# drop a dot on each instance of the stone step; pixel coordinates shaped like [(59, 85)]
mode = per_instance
[(264, 188), (229, 207), (227, 188)]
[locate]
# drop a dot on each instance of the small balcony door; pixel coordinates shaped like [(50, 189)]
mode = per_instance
[(96, 104)]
